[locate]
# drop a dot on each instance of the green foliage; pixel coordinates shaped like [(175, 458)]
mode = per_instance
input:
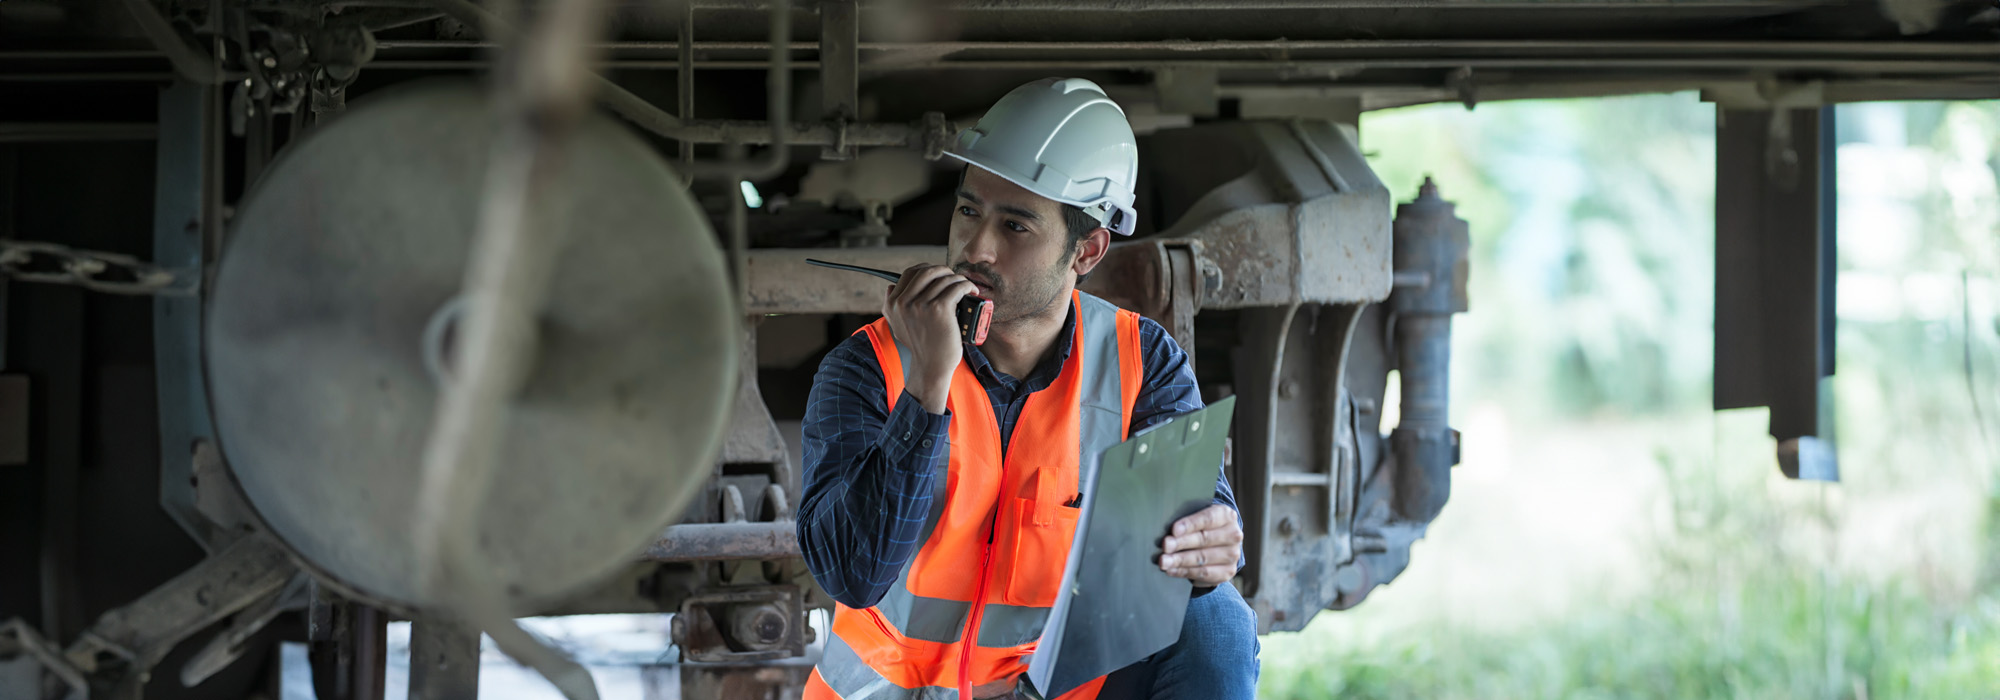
[(1769, 636), (1592, 296)]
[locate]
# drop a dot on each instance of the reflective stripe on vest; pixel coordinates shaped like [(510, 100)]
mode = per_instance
[(1105, 362)]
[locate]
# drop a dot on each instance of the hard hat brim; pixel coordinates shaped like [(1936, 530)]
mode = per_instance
[(1125, 218)]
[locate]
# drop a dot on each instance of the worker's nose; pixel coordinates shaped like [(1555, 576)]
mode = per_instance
[(983, 246)]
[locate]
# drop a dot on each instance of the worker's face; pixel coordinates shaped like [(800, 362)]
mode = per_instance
[(1013, 244)]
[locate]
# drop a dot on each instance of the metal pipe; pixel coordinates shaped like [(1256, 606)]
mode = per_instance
[(1432, 241), (615, 98), (720, 541), (778, 104), (193, 65)]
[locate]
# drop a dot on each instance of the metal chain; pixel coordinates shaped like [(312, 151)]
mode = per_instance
[(111, 273)]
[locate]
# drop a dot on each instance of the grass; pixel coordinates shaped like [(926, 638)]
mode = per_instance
[(1767, 637), (1741, 605)]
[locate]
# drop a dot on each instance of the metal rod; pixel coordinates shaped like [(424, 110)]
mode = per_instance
[(190, 64), (615, 98), (778, 104), (719, 541), (839, 73)]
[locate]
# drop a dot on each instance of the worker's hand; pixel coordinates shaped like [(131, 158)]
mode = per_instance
[(1204, 547), (922, 312)]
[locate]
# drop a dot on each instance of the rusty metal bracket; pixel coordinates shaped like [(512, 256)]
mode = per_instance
[(126, 643), (733, 625), (1297, 467)]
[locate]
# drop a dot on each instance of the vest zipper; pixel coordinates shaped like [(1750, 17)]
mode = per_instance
[(971, 634)]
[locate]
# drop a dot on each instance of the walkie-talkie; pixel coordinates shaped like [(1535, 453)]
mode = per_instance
[(974, 313)]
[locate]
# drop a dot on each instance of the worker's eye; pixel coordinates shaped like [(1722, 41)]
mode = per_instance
[(1016, 227), (966, 211)]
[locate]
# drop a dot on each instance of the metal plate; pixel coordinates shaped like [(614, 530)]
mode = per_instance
[(349, 245)]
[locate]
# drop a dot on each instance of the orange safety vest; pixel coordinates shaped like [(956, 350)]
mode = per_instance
[(998, 534)]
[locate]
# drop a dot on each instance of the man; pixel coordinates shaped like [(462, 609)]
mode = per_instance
[(941, 478)]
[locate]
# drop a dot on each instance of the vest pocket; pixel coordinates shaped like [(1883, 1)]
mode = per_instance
[(1032, 557)]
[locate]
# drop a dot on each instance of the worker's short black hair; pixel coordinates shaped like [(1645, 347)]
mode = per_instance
[(1079, 223)]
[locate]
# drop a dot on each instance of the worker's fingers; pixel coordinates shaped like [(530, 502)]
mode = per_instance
[(1198, 558), (950, 289), (1226, 535), (1209, 518), (1212, 575), (925, 292), (914, 280)]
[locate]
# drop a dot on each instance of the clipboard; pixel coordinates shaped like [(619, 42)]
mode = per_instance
[(1116, 606)]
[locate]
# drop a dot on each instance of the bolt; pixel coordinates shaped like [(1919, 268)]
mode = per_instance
[(1285, 526), (1365, 406), (1288, 388), (270, 62), (759, 627)]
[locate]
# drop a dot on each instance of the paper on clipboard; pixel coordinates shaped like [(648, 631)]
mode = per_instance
[(1116, 606)]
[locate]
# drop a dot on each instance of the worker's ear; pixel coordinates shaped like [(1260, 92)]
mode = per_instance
[(1090, 251)]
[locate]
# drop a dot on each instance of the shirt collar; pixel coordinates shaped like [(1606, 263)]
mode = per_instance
[(1043, 375)]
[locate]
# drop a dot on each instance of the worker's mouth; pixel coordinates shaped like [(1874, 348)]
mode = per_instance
[(980, 279)]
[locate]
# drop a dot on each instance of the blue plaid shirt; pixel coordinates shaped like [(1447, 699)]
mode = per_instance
[(869, 471)]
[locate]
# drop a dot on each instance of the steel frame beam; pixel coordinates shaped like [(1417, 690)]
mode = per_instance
[(187, 201), (1774, 277)]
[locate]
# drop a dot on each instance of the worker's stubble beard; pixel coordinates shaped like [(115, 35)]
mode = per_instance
[(1017, 300)]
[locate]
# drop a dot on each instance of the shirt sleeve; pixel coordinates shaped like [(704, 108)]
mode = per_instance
[(1170, 390), (868, 476)]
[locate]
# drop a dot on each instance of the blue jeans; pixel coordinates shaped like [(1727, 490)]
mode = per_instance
[(1215, 659)]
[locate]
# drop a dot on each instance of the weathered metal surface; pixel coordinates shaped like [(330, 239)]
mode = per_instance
[(782, 283), (444, 660), (1774, 252), (752, 437), (347, 646), (226, 648), (1308, 222), (124, 644), (1296, 462), (185, 193), (720, 541), (1160, 278), (618, 419), (741, 624), (1296, 228), (1432, 247)]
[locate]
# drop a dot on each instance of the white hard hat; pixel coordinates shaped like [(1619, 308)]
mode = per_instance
[(1062, 139)]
